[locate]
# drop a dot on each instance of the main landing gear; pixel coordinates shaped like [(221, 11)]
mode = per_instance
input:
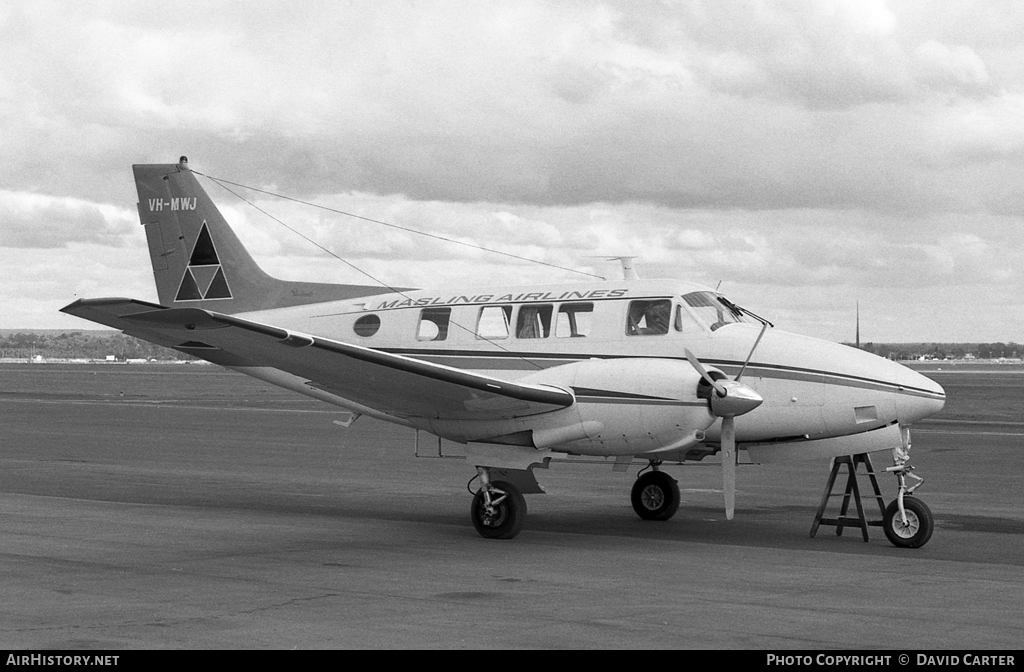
[(655, 495), (498, 509)]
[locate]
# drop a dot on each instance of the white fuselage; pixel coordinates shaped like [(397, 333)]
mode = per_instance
[(620, 347)]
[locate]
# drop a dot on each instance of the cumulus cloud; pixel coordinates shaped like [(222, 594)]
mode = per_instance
[(37, 220), (722, 104), (830, 145), (40, 281), (941, 66)]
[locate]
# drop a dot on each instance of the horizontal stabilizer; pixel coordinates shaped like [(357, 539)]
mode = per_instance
[(109, 311)]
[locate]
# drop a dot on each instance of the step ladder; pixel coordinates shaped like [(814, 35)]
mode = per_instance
[(852, 492)]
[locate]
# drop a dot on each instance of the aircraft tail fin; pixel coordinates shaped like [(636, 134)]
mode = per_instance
[(199, 262)]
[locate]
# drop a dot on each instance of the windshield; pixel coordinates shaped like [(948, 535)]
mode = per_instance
[(713, 310)]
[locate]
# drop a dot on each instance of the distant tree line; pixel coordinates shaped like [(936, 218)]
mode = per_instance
[(945, 350), (82, 345), (99, 345)]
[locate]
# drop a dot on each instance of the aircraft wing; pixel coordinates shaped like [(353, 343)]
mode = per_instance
[(400, 386)]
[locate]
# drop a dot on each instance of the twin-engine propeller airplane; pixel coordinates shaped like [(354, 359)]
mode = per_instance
[(657, 370)]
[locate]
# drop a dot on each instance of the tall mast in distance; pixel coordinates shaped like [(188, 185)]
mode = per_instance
[(858, 325)]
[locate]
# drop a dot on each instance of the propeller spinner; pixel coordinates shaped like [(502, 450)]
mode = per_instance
[(729, 399)]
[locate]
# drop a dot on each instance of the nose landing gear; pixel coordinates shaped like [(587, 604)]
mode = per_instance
[(910, 526), (908, 522)]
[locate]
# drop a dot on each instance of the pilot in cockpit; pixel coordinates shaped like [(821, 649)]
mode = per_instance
[(649, 317)]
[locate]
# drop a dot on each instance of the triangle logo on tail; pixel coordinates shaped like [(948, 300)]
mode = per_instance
[(204, 277)]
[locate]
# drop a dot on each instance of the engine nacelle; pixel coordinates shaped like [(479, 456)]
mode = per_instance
[(630, 406)]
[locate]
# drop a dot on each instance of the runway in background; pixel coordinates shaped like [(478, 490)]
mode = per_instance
[(186, 506)]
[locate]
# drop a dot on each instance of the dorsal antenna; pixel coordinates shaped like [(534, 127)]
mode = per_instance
[(628, 272)]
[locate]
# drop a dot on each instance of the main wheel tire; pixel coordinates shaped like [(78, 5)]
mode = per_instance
[(509, 515), (655, 496), (918, 529)]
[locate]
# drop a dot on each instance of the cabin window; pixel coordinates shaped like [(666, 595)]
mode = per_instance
[(534, 321), (367, 325), (574, 320), (494, 322), (648, 317), (433, 324)]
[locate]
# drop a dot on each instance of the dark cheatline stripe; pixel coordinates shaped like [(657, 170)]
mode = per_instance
[(611, 394), (594, 396), (517, 361)]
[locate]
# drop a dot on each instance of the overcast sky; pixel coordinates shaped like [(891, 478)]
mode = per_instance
[(807, 154)]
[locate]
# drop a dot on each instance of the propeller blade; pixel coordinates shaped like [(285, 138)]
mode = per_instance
[(729, 465), (734, 398), (695, 363)]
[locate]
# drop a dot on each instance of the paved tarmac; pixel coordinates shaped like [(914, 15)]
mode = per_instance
[(153, 507)]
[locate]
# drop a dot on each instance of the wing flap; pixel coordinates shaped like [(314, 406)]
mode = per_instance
[(394, 384)]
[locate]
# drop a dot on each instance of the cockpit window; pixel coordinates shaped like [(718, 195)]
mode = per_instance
[(677, 323), (711, 310), (648, 317)]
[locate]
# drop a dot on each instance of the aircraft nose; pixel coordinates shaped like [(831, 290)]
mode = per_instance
[(919, 397)]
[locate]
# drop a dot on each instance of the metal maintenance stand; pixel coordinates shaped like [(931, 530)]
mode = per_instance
[(852, 490)]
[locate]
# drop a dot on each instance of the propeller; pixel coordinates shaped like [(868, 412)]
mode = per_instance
[(728, 399)]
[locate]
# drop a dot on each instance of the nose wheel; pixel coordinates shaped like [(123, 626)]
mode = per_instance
[(908, 522), (655, 496), (911, 529)]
